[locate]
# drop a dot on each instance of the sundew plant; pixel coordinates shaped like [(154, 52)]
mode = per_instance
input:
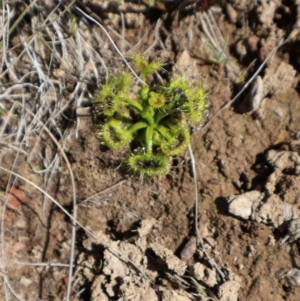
[(155, 122)]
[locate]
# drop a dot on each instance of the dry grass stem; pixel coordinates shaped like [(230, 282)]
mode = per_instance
[(228, 104)]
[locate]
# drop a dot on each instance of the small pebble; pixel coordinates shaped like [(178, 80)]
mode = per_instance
[(294, 229), (240, 266), (211, 241), (293, 276), (241, 49), (297, 135), (231, 13), (257, 93), (279, 112), (252, 43), (213, 181), (240, 206), (189, 249)]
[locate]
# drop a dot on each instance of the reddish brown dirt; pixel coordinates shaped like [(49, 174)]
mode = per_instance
[(230, 160)]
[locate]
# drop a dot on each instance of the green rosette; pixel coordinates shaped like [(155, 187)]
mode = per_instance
[(115, 135), (149, 164)]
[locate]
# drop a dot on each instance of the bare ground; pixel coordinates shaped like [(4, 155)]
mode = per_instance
[(139, 227)]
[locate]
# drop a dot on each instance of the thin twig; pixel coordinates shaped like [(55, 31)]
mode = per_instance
[(156, 36), (103, 191), (119, 36), (123, 32), (199, 239), (193, 165)]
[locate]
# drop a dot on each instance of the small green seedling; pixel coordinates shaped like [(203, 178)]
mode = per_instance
[(36, 168), (72, 21), (98, 268), (156, 121), (219, 57)]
